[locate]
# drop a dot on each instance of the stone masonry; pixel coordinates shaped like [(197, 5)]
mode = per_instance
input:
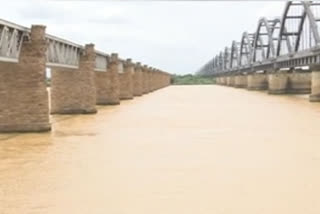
[(126, 80), (24, 105), (73, 91)]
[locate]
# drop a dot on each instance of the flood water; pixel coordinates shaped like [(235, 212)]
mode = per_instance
[(179, 150)]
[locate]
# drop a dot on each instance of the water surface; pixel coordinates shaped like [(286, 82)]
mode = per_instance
[(179, 150)]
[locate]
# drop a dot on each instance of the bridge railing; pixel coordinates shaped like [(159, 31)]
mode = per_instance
[(60, 52)]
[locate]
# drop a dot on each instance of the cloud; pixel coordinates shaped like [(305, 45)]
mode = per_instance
[(175, 36)]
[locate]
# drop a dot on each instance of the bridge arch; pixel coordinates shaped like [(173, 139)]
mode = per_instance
[(299, 27), (235, 54), (246, 49), (266, 38)]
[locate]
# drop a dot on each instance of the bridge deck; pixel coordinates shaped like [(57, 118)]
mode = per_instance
[(188, 149)]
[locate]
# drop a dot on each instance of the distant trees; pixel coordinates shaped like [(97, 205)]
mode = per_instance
[(190, 79)]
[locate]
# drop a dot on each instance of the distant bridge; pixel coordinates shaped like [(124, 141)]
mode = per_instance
[(279, 56), (81, 77)]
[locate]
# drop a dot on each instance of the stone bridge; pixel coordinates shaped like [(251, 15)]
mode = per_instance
[(281, 56), (81, 77)]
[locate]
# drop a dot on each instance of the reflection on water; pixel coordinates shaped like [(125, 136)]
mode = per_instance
[(180, 150)]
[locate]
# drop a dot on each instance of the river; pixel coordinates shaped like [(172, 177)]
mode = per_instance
[(180, 150)]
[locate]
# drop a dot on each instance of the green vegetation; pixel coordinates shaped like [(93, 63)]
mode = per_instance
[(190, 79)]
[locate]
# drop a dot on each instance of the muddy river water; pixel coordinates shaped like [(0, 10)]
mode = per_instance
[(179, 150)]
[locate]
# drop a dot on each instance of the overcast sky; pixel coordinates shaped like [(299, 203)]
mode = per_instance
[(178, 37)]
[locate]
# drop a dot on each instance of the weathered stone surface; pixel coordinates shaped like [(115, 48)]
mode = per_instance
[(73, 91), (299, 83), (102, 87), (137, 80), (315, 88), (145, 79), (230, 81), (257, 82), (240, 81), (278, 83), (113, 89), (126, 80), (24, 103)]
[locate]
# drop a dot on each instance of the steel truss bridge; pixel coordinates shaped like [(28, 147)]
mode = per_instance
[(292, 41), (60, 52)]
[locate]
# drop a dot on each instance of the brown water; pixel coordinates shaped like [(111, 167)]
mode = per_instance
[(180, 150)]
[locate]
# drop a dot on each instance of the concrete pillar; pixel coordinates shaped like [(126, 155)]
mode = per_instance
[(278, 83), (240, 81), (113, 83), (315, 87), (299, 82), (257, 82), (102, 86), (137, 80), (24, 105), (126, 80), (73, 91)]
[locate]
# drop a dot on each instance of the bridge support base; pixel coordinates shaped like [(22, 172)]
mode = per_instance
[(230, 80), (299, 83), (257, 82), (126, 90), (102, 87), (315, 90), (73, 91), (137, 80), (240, 81), (278, 83), (24, 104), (113, 84), (145, 79)]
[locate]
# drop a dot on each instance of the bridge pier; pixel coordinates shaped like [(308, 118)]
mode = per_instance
[(24, 105), (257, 81), (230, 80), (145, 79), (102, 87), (113, 83), (299, 82), (278, 83), (126, 82), (137, 80), (315, 88), (73, 91), (240, 81)]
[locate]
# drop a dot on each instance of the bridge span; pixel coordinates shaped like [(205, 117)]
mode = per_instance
[(81, 77), (282, 55)]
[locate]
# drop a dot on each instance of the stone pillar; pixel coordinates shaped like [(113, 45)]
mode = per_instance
[(113, 89), (126, 80), (145, 79), (73, 91), (278, 83), (137, 80), (102, 86), (315, 87), (24, 104), (217, 80), (230, 80), (299, 82), (240, 81), (257, 82)]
